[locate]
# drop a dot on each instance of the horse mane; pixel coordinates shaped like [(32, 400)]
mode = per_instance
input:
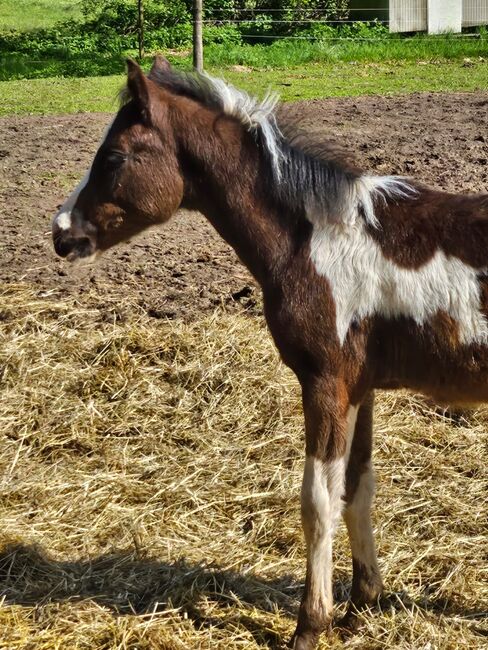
[(307, 175)]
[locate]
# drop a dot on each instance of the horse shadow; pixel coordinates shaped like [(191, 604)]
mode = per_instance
[(127, 583)]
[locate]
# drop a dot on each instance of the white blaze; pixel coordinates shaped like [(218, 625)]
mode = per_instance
[(63, 217), (63, 220)]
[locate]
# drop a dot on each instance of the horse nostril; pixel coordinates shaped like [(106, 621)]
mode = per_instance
[(63, 247), (79, 247), (84, 247)]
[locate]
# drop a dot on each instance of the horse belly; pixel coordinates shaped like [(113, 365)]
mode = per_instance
[(430, 360)]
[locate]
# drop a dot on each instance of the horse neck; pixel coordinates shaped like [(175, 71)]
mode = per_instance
[(226, 181)]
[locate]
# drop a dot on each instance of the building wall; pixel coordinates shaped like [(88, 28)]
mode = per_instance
[(408, 15), (434, 16), (444, 16), (475, 12)]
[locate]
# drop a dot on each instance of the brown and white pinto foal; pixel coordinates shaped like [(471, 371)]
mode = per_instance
[(368, 281)]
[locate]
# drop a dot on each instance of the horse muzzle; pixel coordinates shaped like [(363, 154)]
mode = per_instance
[(73, 249), (69, 241)]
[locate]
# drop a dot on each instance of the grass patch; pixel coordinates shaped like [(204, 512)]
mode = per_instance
[(58, 95), (78, 55), (150, 496), (289, 52), (352, 79), (71, 95), (26, 15)]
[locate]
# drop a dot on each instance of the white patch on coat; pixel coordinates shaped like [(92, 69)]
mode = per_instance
[(365, 283), (322, 491)]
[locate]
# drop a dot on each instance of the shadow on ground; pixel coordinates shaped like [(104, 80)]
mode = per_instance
[(129, 584)]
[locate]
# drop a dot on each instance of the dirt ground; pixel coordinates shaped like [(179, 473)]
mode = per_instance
[(185, 269)]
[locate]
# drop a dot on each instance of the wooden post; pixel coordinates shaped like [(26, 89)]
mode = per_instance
[(197, 35), (140, 27)]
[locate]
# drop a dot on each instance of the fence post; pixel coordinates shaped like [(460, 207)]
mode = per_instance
[(197, 35), (140, 27)]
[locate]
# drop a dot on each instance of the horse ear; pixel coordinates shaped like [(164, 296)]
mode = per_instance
[(160, 65), (138, 87)]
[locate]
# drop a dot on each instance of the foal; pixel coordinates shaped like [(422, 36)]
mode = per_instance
[(368, 282)]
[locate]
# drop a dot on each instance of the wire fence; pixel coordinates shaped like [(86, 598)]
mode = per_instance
[(343, 36), (401, 16)]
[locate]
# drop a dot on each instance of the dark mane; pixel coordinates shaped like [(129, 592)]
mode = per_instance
[(309, 175), (313, 172), (188, 84)]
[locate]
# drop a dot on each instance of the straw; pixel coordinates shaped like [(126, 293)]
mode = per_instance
[(150, 474)]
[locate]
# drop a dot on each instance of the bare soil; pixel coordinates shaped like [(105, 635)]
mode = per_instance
[(185, 269)]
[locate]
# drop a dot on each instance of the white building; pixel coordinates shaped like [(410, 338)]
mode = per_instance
[(433, 16)]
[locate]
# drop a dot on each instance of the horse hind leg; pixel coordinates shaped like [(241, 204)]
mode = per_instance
[(367, 585)]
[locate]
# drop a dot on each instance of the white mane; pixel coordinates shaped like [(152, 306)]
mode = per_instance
[(251, 112)]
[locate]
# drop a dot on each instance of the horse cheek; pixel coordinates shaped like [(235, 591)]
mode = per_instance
[(171, 189)]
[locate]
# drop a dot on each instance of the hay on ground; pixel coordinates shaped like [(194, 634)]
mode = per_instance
[(150, 475)]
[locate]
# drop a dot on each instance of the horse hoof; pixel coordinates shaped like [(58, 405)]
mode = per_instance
[(349, 623), (304, 641)]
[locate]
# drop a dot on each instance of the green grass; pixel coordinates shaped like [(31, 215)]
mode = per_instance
[(66, 53), (34, 14), (281, 54), (285, 52), (71, 95)]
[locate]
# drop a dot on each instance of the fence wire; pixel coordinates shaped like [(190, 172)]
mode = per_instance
[(400, 17), (269, 25)]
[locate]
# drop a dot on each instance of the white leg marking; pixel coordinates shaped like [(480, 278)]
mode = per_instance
[(364, 282), (322, 492), (357, 516), (318, 524), (352, 414)]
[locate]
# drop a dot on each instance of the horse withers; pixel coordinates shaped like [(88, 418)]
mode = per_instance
[(368, 281)]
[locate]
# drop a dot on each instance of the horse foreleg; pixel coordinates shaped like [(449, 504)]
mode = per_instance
[(327, 422), (366, 581)]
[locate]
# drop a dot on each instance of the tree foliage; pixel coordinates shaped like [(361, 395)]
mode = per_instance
[(108, 30), (170, 21)]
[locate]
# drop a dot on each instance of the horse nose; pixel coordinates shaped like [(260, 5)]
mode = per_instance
[(69, 238), (76, 247)]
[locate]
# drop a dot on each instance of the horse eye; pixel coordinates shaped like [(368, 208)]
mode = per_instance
[(113, 159)]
